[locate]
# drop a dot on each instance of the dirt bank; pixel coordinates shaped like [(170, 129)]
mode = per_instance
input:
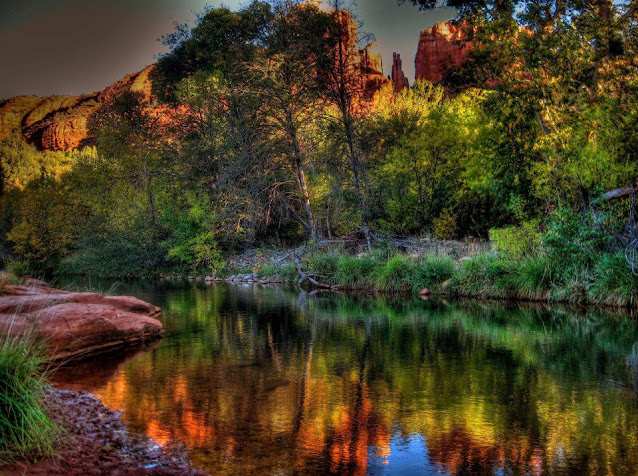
[(94, 440)]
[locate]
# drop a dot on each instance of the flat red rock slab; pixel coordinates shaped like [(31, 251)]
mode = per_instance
[(73, 324)]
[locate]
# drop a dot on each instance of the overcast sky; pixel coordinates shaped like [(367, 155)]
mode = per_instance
[(79, 46)]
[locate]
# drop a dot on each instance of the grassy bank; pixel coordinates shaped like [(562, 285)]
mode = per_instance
[(604, 279), (26, 432)]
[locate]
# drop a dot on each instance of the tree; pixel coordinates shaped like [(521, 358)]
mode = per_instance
[(341, 80), (286, 82)]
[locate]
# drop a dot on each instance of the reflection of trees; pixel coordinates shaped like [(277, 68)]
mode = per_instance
[(255, 381)]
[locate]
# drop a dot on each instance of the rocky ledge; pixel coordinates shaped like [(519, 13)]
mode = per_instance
[(72, 324)]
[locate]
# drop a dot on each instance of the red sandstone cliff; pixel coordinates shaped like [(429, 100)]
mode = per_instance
[(60, 122), (399, 81), (440, 48)]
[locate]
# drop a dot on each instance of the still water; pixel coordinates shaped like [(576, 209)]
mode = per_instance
[(257, 380)]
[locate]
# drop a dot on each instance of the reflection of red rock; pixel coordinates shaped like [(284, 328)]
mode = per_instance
[(77, 324), (458, 452), (440, 48), (399, 81), (60, 122)]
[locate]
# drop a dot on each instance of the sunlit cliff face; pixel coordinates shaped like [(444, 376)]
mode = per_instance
[(263, 381)]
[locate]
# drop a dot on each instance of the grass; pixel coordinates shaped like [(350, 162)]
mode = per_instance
[(372, 272), (536, 277), (26, 433)]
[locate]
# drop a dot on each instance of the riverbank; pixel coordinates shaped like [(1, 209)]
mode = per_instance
[(94, 440), (451, 271)]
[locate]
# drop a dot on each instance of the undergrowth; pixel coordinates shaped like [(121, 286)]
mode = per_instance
[(26, 432)]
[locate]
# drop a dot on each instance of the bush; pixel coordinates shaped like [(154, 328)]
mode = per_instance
[(25, 430), (324, 264), (517, 242), (533, 277), (288, 273), (18, 268), (574, 241), (267, 271), (445, 225)]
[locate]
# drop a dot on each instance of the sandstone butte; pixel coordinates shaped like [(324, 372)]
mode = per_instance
[(440, 48), (72, 324), (61, 122)]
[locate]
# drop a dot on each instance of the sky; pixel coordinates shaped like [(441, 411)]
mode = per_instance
[(79, 46)]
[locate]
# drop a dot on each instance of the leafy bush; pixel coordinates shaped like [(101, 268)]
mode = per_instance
[(485, 275), (324, 264), (267, 271), (445, 225), (517, 242), (25, 430), (574, 241), (288, 273), (396, 275), (532, 277)]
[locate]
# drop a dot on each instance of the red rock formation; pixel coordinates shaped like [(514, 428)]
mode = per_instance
[(61, 122), (77, 324), (399, 81), (440, 48)]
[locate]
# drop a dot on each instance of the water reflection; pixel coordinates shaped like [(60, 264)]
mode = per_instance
[(259, 380)]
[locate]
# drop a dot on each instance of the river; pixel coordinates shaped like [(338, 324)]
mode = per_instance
[(258, 380)]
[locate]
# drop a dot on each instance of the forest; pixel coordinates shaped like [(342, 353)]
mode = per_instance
[(263, 132)]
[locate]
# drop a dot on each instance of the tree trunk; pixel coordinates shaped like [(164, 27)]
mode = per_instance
[(300, 177)]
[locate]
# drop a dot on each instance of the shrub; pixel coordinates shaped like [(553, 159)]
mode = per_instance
[(288, 273), (485, 275), (324, 263), (18, 268), (267, 271), (517, 242), (445, 225), (25, 430), (574, 241)]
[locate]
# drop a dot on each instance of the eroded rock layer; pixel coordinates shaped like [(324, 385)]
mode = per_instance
[(61, 122), (440, 48)]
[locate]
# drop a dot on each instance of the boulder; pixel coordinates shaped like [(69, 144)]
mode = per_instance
[(72, 324)]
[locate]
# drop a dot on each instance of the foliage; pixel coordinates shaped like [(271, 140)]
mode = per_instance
[(26, 433), (517, 242)]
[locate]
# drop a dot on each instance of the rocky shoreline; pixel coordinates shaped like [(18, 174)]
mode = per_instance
[(94, 440), (72, 325)]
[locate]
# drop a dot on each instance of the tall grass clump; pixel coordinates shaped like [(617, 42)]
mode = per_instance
[(397, 275), (356, 273), (532, 277), (613, 281), (26, 433), (432, 270), (486, 275)]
